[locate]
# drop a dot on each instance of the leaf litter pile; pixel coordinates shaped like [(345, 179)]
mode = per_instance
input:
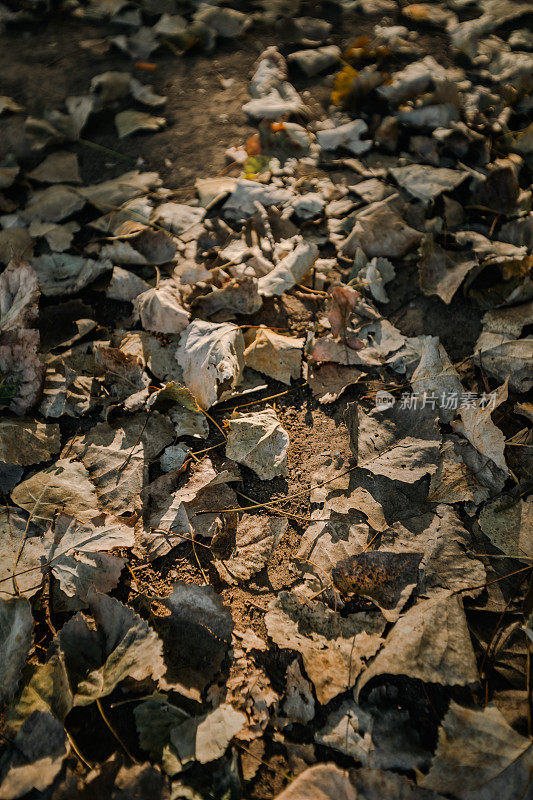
[(261, 534)]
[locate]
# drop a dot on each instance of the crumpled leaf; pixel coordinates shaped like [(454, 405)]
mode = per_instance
[(63, 273), (78, 558), (425, 182), (508, 523), (279, 357), (200, 619), (429, 642), (161, 310), (480, 756), (122, 646), (19, 296), (347, 137), (16, 637), (442, 271), (272, 95), (177, 218), (212, 359), (206, 738), (26, 441), (499, 349), (241, 204), (64, 486), (132, 121), (477, 426), (321, 782), (374, 274), (333, 648), (258, 441), (35, 757), (411, 81), (289, 271), (380, 230), (256, 539), (237, 296), (399, 443), (21, 555), (173, 515)]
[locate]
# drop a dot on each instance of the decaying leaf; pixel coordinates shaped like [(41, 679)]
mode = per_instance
[(161, 310), (321, 782), (387, 578), (63, 273), (16, 635), (477, 426), (96, 660), (26, 441), (198, 618), (255, 540), (258, 440), (279, 357), (289, 271), (212, 359), (429, 642), (35, 756), (333, 649), (479, 756), (442, 271), (22, 555), (508, 523)]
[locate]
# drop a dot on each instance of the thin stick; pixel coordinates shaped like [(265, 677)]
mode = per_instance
[(114, 732), (78, 752)]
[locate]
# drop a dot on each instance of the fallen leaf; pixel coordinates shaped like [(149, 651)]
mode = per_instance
[(289, 271), (258, 441), (279, 357), (198, 617), (429, 642), (26, 441), (333, 648), (22, 554), (161, 310), (131, 121), (479, 755), (255, 541), (321, 782), (16, 637), (212, 359), (35, 756), (477, 426)]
